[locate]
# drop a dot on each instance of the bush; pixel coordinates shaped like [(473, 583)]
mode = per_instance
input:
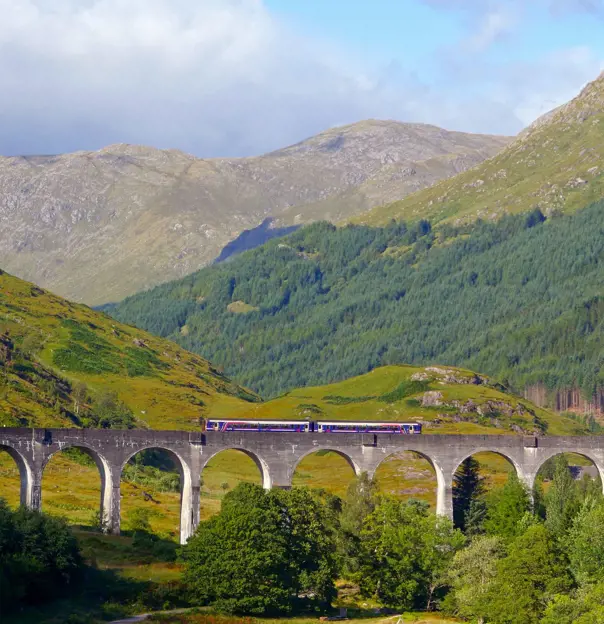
[(39, 557)]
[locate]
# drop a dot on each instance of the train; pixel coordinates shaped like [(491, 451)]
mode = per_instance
[(311, 426)]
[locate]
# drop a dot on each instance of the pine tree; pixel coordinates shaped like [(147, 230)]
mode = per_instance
[(561, 501), (468, 489)]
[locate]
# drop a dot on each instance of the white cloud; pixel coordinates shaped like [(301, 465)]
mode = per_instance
[(493, 26), (551, 82), (225, 77), (207, 75)]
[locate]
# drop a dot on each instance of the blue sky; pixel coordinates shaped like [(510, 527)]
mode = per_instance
[(242, 77)]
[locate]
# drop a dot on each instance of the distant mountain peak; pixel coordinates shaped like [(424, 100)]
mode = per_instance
[(556, 164)]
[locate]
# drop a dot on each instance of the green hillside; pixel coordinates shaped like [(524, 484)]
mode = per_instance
[(556, 164), (443, 399), (520, 299), (63, 364)]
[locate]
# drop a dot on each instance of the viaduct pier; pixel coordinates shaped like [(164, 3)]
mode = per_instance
[(276, 455)]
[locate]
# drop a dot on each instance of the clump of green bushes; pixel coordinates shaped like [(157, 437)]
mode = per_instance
[(40, 558)]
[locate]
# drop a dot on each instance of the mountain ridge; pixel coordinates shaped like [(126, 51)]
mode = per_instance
[(97, 226)]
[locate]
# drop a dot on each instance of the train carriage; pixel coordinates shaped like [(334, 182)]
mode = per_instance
[(367, 427), (262, 426)]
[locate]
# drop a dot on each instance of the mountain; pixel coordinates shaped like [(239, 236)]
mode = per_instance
[(98, 226), (557, 164), (63, 364), (520, 299)]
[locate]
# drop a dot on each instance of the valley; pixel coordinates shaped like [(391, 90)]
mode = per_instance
[(517, 299), (42, 390), (469, 303)]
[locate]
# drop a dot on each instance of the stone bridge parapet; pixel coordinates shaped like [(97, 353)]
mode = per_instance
[(275, 454)]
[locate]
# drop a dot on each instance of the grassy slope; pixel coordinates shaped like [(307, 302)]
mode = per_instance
[(541, 168), (374, 396), (165, 386)]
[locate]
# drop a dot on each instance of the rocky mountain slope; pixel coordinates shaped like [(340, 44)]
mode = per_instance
[(65, 365), (97, 226), (557, 164)]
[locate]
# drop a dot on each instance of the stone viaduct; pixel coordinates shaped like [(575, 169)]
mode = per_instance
[(275, 454)]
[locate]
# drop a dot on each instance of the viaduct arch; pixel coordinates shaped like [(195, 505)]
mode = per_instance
[(275, 454)]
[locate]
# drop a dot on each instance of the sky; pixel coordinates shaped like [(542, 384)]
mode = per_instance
[(242, 77)]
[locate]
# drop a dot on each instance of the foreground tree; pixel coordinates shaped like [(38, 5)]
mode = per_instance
[(263, 552), (471, 575), (533, 572), (561, 500), (406, 552), (468, 490), (585, 543), (310, 525), (586, 607), (360, 501)]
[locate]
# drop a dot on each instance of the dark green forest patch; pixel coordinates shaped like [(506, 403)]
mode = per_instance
[(519, 299)]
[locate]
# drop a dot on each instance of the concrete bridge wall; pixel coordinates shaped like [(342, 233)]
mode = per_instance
[(276, 455)]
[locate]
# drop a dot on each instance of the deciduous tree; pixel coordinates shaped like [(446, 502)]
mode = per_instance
[(561, 500), (471, 575), (405, 553), (585, 543), (534, 571), (263, 553), (360, 501)]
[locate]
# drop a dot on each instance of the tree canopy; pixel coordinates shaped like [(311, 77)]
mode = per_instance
[(263, 553)]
